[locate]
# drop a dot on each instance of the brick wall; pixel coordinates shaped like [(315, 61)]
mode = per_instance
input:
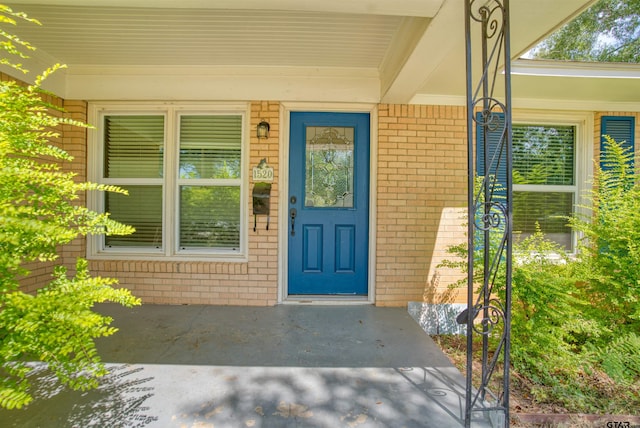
[(74, 142), (421, 162), (421, 200), (422, 182), (221, 283)]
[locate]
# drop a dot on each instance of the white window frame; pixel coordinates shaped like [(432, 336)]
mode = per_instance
[(170, 250), (583, 167)]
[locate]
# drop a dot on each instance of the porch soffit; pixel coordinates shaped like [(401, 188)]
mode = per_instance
[(423, 8), (281, 49), (291, 50), (107, 36), (442, 76)]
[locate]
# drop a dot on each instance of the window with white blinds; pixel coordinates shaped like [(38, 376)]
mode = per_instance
[(210, 146), (133, 146), (209, 181), (543, 154), (544, 177), (142, 209), (184, 175), (133, 158)]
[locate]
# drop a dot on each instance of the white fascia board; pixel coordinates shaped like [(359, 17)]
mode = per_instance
[(528, 67), (536, 103), (422, 8), (223, 83), (439, 100), (576, 105)]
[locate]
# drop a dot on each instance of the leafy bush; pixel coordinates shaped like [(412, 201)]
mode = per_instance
[(549, 332), (38, 213), (621, 358), (547, 307), (609, 254), (575, 319)]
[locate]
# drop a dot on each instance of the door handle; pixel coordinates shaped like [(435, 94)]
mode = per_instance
[(292, 214)]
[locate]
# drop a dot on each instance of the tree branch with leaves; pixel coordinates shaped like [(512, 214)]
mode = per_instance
[(609, 31), (39, 212)]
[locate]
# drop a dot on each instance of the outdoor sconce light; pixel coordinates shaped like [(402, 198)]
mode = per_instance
[(263, 130)]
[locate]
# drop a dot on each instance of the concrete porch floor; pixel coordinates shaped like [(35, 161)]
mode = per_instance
[(283, 366)]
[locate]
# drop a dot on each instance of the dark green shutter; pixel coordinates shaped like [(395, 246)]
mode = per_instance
[(621, 129), (496, 152)]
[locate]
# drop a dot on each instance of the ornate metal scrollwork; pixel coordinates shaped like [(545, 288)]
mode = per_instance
[(490, 215), (488, 316)]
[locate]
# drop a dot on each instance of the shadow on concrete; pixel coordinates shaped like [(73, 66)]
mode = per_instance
[(287, 366), (117, 402)]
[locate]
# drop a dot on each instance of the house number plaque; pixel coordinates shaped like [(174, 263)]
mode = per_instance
[(263, 172)]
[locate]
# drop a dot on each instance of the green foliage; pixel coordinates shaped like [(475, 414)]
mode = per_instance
[(582, 329), (621, 358), (56, 326), (549, 332), (609, 254), (575, 319), (39, 211), (37, 206), (11, 44), (607, 32)]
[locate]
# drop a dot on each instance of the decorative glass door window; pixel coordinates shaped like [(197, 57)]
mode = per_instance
[(329, 167)]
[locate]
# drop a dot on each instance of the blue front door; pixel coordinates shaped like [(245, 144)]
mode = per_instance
[(328, 204)]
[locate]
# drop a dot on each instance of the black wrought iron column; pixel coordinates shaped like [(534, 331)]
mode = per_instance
[(488, 314)]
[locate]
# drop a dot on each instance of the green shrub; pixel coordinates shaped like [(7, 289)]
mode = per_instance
[(549, 332), (621, 358), (609, 253), (575, 320), (38, 213)]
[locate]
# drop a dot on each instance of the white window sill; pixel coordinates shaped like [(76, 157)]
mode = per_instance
[(183, 257)]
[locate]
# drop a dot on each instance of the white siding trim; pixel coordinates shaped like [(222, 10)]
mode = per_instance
[(199, 85)]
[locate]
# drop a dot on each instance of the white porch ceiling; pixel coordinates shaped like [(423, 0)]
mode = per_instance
[(107, 36), (292, 50)]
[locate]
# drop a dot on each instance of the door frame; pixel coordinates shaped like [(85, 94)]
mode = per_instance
[(286, 108)]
